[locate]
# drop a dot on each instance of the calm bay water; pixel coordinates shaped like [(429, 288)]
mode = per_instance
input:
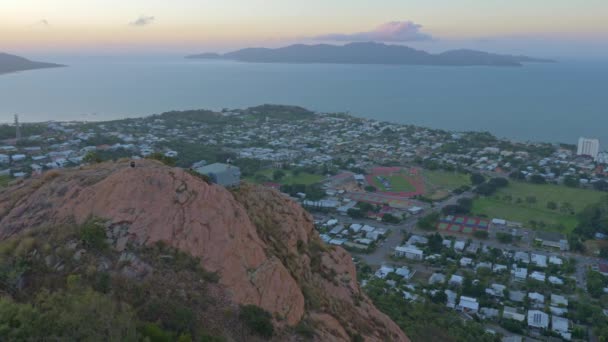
[(544, 102)]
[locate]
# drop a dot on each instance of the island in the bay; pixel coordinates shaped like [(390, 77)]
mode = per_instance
[(369, 53), (12, 63)]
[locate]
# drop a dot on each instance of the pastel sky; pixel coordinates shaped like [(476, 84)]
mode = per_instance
[(538, 27)]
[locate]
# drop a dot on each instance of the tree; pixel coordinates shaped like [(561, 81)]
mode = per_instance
[(499, 182), (570, 181), (504, 237), (538, 179), (435, 243), (551, 205), (477, 178), (429, 222), (355, 213), (596, 283), (277, 175), (601, 185), (389, 218), (370, 188), (258, 320), (480, 234)]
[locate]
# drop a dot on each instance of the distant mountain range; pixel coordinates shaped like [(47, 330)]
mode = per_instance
[(369, 53), (12, 63)]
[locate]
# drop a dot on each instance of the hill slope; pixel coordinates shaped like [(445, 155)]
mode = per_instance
[(12, 63), (368, 53), (263, 246)]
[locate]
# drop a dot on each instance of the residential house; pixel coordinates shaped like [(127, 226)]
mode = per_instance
[(539, 276), (538, 319), (561, 326), (536, 297), (522, 257), (512, 313), (384, 271), (409, 252), (456, 280), (468, 304), (437, 278), (539, 260), (519, 273)]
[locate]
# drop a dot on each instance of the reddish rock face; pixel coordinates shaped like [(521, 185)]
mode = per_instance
[(263, 245)]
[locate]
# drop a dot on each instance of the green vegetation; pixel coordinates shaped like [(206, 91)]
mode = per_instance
[(4, 181), (531, 203), (27, 129), (287, 177), (429, 222), (424, 321), (47, 293), (439, 184), (258, 320)]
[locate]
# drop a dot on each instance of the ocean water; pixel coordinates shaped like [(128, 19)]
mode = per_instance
[(538, 102)]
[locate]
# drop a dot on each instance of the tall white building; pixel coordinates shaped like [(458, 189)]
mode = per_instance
[(588, 147)]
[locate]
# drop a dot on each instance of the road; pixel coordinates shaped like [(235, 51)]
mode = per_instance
[(382, 253)]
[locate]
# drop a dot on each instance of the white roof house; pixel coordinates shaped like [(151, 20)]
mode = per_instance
[(331, 222), (456, 280), (355, 227), (538, 319), (451, 302), (437, 278), (520, 273), (556, 280), (459, 245), (558, 310), (558, 300), (539, 276), (537, 297), (512, 313), (555, 260), (409, 252), (368, 229), (417, 240), (522, 256), (336, 230), (499, 268), (466, 261), (469, 304), (404, 272), (499, 222), (561, 326), (383, 271), (539, 260), (496, 290)]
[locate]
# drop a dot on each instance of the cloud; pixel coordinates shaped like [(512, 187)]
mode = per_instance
[(143, 20), (41, 23), (394, 31)]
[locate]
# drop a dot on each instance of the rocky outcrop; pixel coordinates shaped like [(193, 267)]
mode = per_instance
[(262, 244)]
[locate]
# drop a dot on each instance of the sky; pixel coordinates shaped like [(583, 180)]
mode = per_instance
[(551, 28)]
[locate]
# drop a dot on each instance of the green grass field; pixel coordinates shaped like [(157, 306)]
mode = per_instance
[(4, 181), (290, 178), (398, 184), (512, 203), (439, 184)]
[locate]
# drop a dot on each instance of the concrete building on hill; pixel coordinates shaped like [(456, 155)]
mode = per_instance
[(222, 174)]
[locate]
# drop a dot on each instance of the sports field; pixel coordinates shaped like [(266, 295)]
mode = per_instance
[(439, 184), (396, 181), (288, 179), (524, 202)]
